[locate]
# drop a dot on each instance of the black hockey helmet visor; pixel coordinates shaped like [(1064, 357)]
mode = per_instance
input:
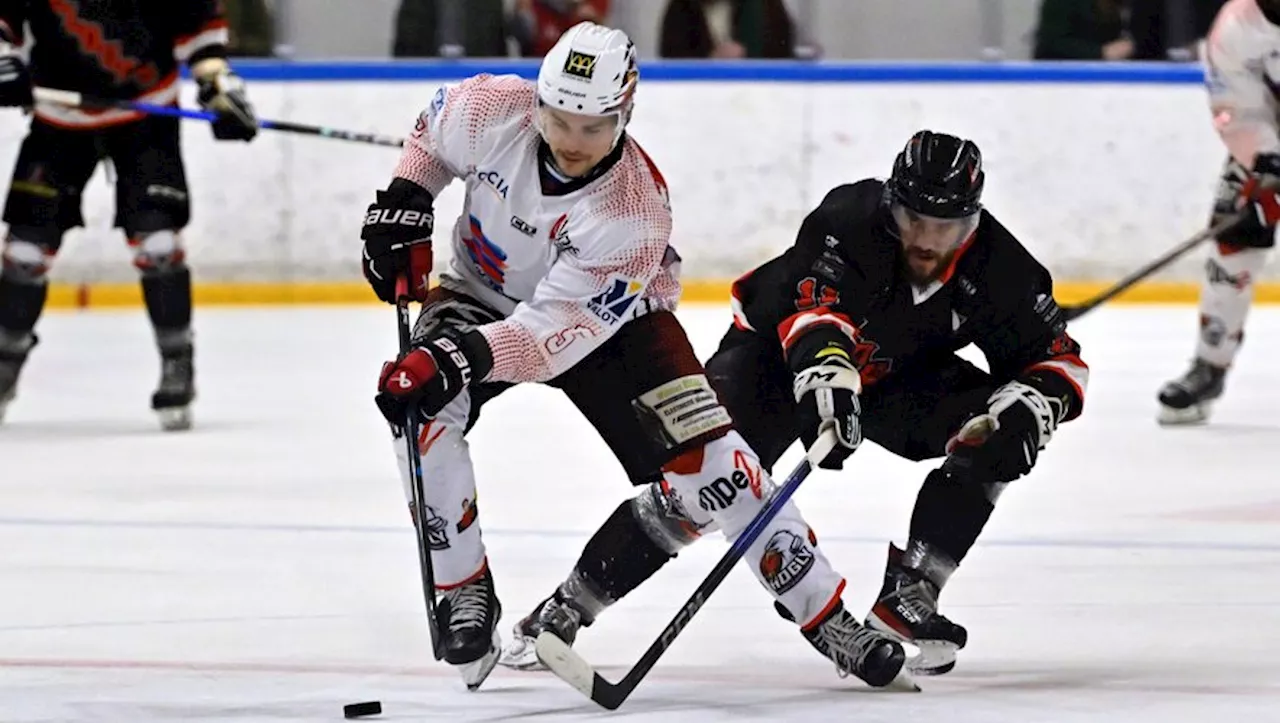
[(935, 192)]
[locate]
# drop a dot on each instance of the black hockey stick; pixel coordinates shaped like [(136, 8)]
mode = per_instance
[(79, 100), (405, 324), (1173, 254), (565, 662)]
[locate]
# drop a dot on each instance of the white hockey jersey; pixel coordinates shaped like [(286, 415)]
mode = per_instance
[(568, 270), (1242, 72)]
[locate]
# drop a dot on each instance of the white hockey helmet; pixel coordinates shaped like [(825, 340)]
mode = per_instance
[(591, 71)]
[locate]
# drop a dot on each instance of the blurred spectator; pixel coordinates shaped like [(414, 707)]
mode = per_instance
[(1082, 30), (538, 24), (251, 27), (727, 29), (418, 32), (1170, 29)]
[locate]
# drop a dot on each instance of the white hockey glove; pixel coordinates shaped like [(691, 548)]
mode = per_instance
[(827, 393), (1020, 421), (222, 92)]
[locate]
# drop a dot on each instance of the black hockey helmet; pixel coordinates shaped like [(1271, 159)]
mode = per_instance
[(1270, 10), (938, 175)]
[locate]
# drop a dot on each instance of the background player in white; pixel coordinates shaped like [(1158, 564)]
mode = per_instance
[(561, 273), (1242, 71)]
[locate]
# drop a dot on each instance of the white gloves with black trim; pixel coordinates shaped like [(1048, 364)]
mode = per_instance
[(827, 395)]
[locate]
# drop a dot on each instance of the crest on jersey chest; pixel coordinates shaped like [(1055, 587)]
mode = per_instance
[(559, 236)]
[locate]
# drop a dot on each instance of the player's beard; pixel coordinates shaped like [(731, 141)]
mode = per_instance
[(924, 266)]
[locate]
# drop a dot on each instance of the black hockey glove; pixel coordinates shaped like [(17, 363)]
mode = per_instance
[(222, 92), (1018, 424), (15, 83), (1262, 189), (827, 394), (432, 374), (397, 240)]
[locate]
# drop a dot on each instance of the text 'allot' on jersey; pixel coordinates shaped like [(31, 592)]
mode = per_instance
[(119, 49), (566, 269), (846, 271)]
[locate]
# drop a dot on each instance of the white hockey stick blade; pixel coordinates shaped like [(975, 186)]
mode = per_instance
[(565, 662)]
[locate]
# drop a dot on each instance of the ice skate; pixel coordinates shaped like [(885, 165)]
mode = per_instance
[(13, 354), (552, 615), (469, 623), (1189, 399), (172, 399), (874, 658), (907, 609)]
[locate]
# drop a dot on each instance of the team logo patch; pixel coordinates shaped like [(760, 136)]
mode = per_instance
[(437, 528), (580, 65), (787, 558), (469, 513), (616, 300)]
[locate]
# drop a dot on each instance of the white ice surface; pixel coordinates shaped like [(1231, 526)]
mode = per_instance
[(261, 567)]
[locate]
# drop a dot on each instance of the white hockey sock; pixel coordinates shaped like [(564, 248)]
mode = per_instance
[(727, 490), (1225, 297), (449, 486)]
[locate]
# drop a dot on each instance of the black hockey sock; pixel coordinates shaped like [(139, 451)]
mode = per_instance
[(620, 556), (168, 298), (950, 513), (21, 304)]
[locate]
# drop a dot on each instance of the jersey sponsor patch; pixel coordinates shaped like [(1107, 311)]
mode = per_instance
[(612, 304), (486, 257)]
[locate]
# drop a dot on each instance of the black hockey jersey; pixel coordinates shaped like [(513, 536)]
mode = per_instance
[(846, 271), (122, 49)]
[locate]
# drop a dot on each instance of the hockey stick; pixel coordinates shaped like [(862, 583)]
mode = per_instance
[(1173, 254), (565, 662), (405, 324), (79, 100)]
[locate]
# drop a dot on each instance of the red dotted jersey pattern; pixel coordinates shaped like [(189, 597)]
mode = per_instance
[(612, 259), (622, 267)]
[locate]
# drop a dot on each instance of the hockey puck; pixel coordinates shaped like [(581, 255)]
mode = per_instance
[(361, 710)]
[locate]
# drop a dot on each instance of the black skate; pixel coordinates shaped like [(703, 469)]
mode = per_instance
[(172, 399), (875, 658), (468, 617), (13, 354), (907, 608), (574, 605), (1189, 398)]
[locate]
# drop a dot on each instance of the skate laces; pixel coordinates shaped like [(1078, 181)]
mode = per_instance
[(918, 599), (175, 372), (556, 616), (847, 642), (468, 606)]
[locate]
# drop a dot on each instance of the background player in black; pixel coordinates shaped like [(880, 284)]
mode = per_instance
[(856, 328), (120, 49)]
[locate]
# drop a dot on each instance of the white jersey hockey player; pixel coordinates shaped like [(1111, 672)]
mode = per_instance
[(562, 274), (1242, 72)]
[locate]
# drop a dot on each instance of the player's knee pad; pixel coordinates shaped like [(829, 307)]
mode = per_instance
[(158, 252), (26, 259), (681, 412)]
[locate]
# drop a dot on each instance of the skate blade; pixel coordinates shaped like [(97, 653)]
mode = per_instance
[(1194, 414), (521, 654), (933, 658), (4, 407), (474, 673), (175, 419)]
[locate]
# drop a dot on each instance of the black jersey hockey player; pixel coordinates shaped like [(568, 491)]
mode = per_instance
[(856, 328), (118, 49)]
